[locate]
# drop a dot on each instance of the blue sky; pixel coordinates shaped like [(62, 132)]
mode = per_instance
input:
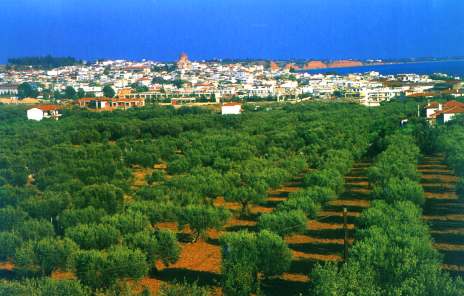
[(205, 29)]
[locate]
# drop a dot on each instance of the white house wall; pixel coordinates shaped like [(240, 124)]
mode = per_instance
[(35, 114)]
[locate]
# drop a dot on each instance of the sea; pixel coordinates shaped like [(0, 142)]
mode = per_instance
[(451, 68)]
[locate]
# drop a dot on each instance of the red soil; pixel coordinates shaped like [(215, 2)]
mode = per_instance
[(199, 256), (63, 275), (6, 266), (139, 175)]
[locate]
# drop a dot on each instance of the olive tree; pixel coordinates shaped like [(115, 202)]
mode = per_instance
[(45, 255), (93, 236), (246, 255), (157, 245), (283, 223), (201, 218), (397, 190), (101, 196), (9, 242), (329, 178), (275, 256)]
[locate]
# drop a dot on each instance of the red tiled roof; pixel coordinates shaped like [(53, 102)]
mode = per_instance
[(231, 104), (432, 105), (48, 107), (424, 94), (452, 110), (451, 104)]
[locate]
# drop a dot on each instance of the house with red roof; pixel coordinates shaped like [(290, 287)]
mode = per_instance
[(44, 111), (443, 112), (109, 104), (231, 109)]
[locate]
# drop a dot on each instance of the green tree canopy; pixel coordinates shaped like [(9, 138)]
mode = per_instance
[(283, 223), (27, 90), (70, 93), (45, 255), (108, 91), (101, 196), (202, 218)]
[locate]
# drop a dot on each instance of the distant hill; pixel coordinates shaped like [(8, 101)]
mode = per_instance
[(315, 65), (335, 64), (345, 63)]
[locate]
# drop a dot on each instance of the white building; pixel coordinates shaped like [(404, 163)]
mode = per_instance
[(231, 109), (7, 89), (41, 112), (374, 96)]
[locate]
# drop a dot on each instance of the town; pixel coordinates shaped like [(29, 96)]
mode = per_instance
[(116, 84)]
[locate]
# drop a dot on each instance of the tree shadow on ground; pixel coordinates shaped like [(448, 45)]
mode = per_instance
[(271, 203), (7, 274), (283, 194), (329, 233), (444, 225), (213, 241), (452, 238), (443, 173), (453, 257), (250, 228), (356, 178), (439, 188), (184, 237), (443, 211), (349, 208), (338, 219), (303, 266), (318, 248), (203, 278), (355, 195), (280, 287), (426, 181), (356, 185), (443, 202)]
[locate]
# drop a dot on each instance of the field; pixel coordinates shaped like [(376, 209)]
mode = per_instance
[(173, 201), (321, 242)]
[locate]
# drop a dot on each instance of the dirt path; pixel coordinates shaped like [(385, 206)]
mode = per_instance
[(444, 212)]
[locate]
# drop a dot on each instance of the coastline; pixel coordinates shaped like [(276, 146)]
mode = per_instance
[(385, 64)]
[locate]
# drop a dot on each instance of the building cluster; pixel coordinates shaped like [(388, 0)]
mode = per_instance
[(138, 83)]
